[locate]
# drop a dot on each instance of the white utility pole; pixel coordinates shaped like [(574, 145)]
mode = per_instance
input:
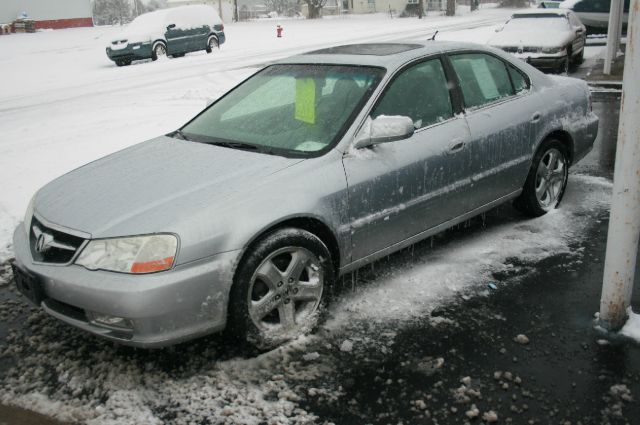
[(624, 224), (613, 34)]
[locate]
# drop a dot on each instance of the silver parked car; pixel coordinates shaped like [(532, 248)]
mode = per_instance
[(309, 169)]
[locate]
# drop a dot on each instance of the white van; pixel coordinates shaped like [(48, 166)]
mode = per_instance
[(174, 32)]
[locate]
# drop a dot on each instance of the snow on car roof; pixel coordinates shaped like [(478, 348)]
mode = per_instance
[(541, 13)]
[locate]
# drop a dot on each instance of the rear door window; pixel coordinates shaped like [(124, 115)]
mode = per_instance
[(483, 78), (520, 82)]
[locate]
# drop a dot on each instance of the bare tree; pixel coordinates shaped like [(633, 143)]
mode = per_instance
[(155, 5), (314, 6), (109, 12), (451, 7)]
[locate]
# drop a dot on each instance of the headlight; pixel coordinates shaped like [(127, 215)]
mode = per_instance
[(136, 254), (28, 216), (552, 49)]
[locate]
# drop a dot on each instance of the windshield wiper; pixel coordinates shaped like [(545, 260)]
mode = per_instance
[(235, 145), (179, 134)]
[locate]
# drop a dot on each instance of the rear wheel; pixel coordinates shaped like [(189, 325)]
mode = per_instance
[(212, 43), (278, 287), (159, 50), (547, 180)]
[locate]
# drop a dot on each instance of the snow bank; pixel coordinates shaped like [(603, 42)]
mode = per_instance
[(631, 329)]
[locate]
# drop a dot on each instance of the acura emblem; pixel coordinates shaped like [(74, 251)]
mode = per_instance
[(43, 242)]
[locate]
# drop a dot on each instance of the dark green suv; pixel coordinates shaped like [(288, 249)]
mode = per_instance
[(174, 32)]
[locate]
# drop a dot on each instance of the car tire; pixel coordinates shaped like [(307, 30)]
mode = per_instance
[(565, 64), (159, 50), (579, 57), (278, 288), (212, 43), (547, 179)]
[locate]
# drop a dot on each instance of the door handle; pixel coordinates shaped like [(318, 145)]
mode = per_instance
[(536, 117), (456, 145)]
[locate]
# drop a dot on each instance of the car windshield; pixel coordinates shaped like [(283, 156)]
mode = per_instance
[(290, 110), (541, 22)]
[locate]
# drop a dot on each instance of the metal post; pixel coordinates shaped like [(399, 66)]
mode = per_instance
[(620, 24), (624, 224), (612, 35)]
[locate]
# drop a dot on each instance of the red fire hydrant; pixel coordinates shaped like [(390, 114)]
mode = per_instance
[(279, 31)]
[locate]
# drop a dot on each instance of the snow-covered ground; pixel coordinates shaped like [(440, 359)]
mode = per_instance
[(63, 103)]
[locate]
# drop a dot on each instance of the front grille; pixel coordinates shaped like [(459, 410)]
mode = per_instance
[(52, 246), (525, 49)]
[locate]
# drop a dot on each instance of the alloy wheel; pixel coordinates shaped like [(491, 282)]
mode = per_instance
[(285, 290), (551, 177)]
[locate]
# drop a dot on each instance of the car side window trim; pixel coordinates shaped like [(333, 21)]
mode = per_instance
[(506, 64), (455, 102)]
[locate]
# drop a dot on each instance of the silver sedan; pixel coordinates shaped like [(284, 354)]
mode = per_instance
[(311, 168)]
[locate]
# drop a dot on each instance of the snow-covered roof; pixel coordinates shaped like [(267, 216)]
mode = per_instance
[(542, 12)]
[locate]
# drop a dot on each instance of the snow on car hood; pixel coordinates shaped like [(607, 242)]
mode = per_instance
[(534, 38), (153, 186)]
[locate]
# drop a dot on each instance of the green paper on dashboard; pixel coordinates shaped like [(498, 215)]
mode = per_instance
[(306, 100)]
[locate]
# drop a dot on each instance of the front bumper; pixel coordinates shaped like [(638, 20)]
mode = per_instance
[(131, 52), (161, 308), (543, 62)]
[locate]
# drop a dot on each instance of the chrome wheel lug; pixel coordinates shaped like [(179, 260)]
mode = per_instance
[(290, 280), (295, 290), (278, 297), (280, 284), (287, 300)]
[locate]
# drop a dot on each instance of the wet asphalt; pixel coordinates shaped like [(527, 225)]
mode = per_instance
[(567, 373)]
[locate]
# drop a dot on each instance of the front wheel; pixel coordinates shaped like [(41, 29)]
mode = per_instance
[(212, 43), (278, 287), (546, 181)]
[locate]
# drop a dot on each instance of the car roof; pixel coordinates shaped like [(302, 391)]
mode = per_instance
[(388, 55), (540, 13)]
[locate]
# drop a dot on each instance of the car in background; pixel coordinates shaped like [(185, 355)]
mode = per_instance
[(311, 168), (549, 4), (174, 31), (594, 14), (550, 40)]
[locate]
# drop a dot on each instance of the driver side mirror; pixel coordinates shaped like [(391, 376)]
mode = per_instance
[(384, 129), (171, 26)]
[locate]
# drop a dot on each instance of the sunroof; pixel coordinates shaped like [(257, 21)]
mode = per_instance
[(375, 49)]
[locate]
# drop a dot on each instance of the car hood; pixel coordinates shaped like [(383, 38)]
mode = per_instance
[(533, 38), (149, 186)]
